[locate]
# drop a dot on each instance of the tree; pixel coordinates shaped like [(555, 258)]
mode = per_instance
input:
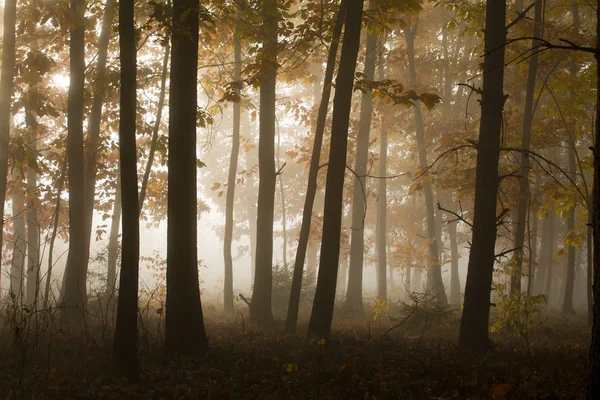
[(354, 300), (593, 384), (233, 162), (260, 307), (474, 323), (125, 360), (6, 91), (322, 309), (19, 241), (74, 290), (382, 282), (523, 197), (435, 269), (93, 137), (184, 324), (311, 187)]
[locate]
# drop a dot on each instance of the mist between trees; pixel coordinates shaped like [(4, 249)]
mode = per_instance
[(174, 173)]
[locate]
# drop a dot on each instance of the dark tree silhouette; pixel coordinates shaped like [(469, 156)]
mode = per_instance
[(260, 307), (74, 289), (125, 358), (184, 324), (311, 190), (475, 319), (322, 310)]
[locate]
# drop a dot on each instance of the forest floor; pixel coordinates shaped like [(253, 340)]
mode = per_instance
[(416, 359)]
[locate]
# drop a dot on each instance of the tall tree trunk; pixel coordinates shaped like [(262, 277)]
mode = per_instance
[(382, 282), (593, 382), (93, 137), (19, 244), (434, 268), (230, 197), (184, 324), (474, 323), (260, 307), (322, 310), (311, 190), (6, 91), (572, 155), (156, 128), (125, 357), (113, 242), (523, 197), (74, 297), (567, 307), (354, 298), (590, 266), (250, 202), (546, 252), (55, 219), (454, 275), (282, 192), (33, 226), (533, 246)]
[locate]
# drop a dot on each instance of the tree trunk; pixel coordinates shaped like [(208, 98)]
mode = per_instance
[(282, 192), (55, 219), (113, 242), (567, 307), (434, 269), (19, 245), (523, 197), (93, 137), (382, 198), (593, 383), (533, 247), (546, 252), (572, 155), (454, 275), (184, 324), (6, 91), (230, 196), (74, 297), (322, 310), (474, 323), (33, 226), (250, 198), (354, 299), (260, 307), (125, 356), (311, 190), (156, 128)]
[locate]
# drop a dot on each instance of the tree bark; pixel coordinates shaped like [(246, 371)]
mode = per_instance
[(434, 269), (6, 91), (74, 297), (260, 307), (184, 324), (125, 356), (311, 190), (474, 323), (322, 310), (354, 298), (230, 196), (523, 197)]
